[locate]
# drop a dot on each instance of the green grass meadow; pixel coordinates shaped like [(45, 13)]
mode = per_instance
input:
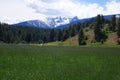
[(28, 62)]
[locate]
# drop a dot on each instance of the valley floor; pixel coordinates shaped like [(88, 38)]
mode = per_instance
[(28, 62)]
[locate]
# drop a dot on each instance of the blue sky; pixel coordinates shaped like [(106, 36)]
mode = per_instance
[(13, 11), (101, 2)]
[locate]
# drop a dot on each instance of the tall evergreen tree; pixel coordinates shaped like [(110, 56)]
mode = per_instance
[(102, 21), (100, 35), (28, 38), (113, 24), (81, 37), (59, 35), (72, 31), (118, 28), (97, 29), (52, 35), (78, 27)]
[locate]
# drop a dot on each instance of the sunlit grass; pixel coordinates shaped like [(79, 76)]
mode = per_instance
[(28, 62)]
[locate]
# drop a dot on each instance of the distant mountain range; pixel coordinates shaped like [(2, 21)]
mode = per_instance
[(58, 22), (48, 23)]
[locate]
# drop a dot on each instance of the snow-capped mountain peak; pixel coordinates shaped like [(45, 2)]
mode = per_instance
[(33, 23), (48, 22), (57, 21)]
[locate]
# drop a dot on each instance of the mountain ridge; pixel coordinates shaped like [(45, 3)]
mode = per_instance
[(58, 22)]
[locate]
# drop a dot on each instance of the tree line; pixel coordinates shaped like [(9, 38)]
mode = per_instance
[(99, 27), (19, 34)]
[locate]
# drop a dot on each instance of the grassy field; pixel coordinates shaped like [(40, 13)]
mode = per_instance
[(28, 62)]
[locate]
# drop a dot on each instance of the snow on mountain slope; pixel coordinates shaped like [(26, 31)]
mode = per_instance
[(48, 23), (33, 23), (57, 21)]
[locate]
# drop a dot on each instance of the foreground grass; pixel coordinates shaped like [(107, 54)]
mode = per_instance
[(25, 62)]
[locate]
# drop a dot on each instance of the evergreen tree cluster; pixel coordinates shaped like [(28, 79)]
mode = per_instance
[(118, 27), (100, 36), (19, 34), (81, 37)]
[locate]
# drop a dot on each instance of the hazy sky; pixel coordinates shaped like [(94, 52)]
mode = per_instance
[(13, 11)]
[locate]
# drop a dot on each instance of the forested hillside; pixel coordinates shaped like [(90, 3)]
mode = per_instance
[(100, 28)]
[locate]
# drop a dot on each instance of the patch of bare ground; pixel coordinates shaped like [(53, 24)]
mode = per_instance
[(112, 39), (73, 40)]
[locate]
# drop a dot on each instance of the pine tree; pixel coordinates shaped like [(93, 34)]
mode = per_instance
[(102, 20), (118, 28), (1, 32), (65, 35), (72, 31), (59, 35), (52, 35), (81, 37), (28, 38), (78, 27), (100, 36), (113, 24), (97, 29)]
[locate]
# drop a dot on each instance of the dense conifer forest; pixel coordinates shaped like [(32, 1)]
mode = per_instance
[(20, 34)]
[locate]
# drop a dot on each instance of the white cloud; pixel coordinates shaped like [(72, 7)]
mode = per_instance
[(112, 7), (16, 10), (70, 8), (51, 7)]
